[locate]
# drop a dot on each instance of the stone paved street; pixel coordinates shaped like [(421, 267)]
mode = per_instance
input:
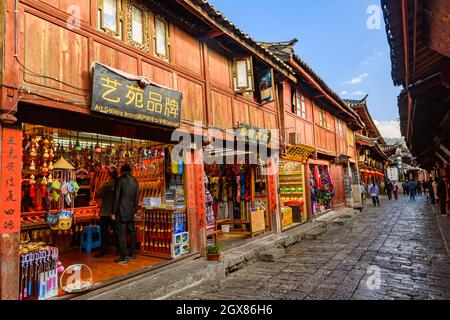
[(402, 239)]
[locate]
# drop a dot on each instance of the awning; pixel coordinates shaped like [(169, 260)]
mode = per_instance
[(298, 152)]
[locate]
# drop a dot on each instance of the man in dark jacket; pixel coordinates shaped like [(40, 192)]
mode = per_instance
[(405, 189), (389, 189), (106, 194), (126, 203), (442, 195), (412, 187)]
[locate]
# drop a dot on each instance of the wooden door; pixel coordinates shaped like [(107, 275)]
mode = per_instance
[(337, 173)]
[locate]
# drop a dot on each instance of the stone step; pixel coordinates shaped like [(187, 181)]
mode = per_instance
[(272, 255), (313, 234), (340, 222)]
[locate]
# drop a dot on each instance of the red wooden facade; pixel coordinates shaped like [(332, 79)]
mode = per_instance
[(46, 68)]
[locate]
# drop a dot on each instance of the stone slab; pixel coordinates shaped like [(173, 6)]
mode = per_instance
[(272, 255)]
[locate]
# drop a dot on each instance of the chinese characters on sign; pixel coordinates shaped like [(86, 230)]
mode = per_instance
[(252, 135), (10, 181), (118, 96)]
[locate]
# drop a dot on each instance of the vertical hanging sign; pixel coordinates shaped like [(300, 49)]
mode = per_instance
[(11, 167)]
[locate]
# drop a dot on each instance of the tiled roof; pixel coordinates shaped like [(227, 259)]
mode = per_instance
[(220, 18)]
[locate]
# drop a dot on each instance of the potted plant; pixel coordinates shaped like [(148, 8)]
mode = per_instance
[(213, 252)]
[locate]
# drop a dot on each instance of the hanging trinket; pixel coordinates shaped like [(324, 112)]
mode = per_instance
[(32, 166), (50, 179), (44, 170)]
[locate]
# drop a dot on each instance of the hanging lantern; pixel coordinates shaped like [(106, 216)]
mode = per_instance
[(77, 144), (46, 154), (33, 153)]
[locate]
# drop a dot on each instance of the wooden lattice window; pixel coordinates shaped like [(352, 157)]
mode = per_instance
[(110, 17), (161, 38), (138, 26)]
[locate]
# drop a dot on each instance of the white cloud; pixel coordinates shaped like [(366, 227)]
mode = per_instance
[(389, 129), (357, 79), (343, 93), (358, 93)]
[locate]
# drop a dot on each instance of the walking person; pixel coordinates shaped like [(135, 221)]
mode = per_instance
[(405, 189), (419, 188), (442, 192), (425, 188), (436, 195), (126, 201), (395, 191), (432, 191), (389, 189), (374, 191), (412, 187), (106, 194), (362, 190)]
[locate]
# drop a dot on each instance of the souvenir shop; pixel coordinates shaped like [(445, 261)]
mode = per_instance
[(64, 165), (322, 188), (236, 196), (292, 186)]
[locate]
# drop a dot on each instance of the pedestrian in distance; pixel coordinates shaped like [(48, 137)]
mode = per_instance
[(374, 191), (419, 188), (434, 187), (442, 191), (362, 190), (389, 189), (126, 201), (395, 191), (106, 194), (425, 188), (412, 188), (431, 191), (405, 189)]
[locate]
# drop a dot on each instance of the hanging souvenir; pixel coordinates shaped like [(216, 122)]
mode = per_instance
[(32, 166)]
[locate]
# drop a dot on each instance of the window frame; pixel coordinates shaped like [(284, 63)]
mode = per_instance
[(249, 75), (323, 118), (165, 57), (146, 26), (119, 19)]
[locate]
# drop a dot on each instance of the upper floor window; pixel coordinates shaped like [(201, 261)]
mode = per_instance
[(161, 38), (243, 75), (110, 17), (137, 25), (323, 118), (298, 103), (340, 128)]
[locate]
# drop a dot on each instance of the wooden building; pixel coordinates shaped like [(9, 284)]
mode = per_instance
[(49, 49), (318, 130), (372, 160), (419, 37)]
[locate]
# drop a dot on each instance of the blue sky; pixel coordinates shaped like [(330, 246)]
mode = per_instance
[(334, 40)]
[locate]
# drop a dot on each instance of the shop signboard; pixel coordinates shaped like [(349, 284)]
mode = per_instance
[(392, 173), (10, 190), (253, 135), (266, 86), (119, 94)]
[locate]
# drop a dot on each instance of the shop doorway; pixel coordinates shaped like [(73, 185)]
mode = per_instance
[(337, 174), (63, 172)]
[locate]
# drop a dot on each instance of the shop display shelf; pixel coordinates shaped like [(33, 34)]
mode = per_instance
[(292, 193), (292, 182), (290, 173)]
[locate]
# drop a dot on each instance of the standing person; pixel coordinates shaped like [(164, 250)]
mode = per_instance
[(412, 187), (126, 201), (395, 191), (425, 188), (431, 191), (434, 186), (405, 189), (375, 193), (419, 188), (362, 190), (389, 189), (442, 191), (106, 194)]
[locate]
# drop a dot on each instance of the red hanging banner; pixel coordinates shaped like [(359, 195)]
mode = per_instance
[(11, 168)]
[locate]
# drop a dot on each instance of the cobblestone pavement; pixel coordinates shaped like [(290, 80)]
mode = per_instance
[(400, 239)]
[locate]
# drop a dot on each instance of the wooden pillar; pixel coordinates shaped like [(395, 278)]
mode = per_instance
[(10, 198), (273, 197)]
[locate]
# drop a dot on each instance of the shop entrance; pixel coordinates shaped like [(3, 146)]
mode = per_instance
[(63, 172), (237, 205), (337, 173)]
